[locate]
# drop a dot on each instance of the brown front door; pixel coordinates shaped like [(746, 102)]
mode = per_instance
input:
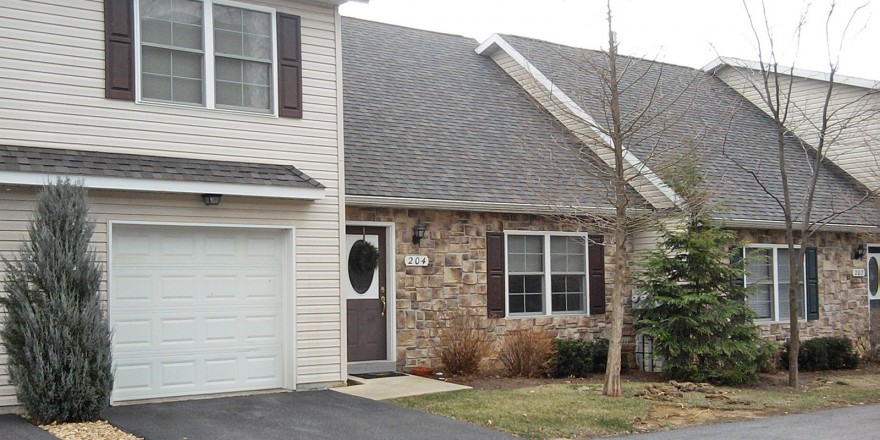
[(365, 290)]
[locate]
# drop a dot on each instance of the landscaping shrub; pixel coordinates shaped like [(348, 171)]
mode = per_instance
[(526, 353), (56, 334), (579, 358), (463, 345), (695, 312), (825, 353), (768, 356)]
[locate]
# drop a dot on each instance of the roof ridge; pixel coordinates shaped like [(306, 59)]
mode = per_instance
[(633, 57), (346, 17)]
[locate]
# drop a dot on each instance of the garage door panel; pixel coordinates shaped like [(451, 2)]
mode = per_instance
[(188, 286), (196, 310)]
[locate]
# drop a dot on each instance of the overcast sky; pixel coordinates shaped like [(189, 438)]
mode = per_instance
[(686, 32)]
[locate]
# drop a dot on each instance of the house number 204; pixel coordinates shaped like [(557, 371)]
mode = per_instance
[(415, 260)]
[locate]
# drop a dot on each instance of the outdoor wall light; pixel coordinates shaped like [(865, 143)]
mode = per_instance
[(211, 199), (859, 251), (419, 232)]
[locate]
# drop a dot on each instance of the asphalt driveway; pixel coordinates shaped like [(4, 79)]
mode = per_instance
[(12, 426), (295, 415)]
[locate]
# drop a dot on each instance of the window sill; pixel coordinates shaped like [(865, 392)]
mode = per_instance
[(767, 321), (201, 108), (545, 315)]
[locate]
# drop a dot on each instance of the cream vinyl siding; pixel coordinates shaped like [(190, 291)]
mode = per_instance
[(855, 150), (577, 126), (318, 337), (52, 95)]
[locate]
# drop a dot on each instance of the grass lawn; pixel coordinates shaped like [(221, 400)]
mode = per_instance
[(578, 410)]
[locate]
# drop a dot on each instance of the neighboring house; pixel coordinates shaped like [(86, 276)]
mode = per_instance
[(153, 104), (853, 110), (462, 146)]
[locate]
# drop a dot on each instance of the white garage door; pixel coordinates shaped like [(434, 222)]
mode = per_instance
[(196, 310)]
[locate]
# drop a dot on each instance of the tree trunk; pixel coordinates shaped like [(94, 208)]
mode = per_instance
[(618, 297)]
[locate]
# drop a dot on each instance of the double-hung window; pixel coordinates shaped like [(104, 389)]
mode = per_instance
[(546, 271), (769, 276), (207, 53)]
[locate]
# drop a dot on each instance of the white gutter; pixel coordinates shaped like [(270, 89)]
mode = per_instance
[(165, 186), (464, 205), (780, 225), (575, 109)]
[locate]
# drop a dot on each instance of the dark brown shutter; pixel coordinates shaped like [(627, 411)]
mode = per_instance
[(289, 67), (495, 274), (812, 282), (119, 49), (596, 251)]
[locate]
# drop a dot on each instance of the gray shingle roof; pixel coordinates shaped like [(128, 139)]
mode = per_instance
[(708, 115), (426, 117), (94, 163)]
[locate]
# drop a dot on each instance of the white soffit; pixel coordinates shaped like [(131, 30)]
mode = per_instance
[(165, 186), (497, 41)]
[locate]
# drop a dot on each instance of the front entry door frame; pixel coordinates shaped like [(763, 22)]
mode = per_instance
[(389, 363)]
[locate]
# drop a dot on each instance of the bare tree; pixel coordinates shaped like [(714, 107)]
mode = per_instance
[(806, 133), (624, 151)]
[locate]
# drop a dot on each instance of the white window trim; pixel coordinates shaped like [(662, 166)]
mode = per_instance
[(209, 80), (775, 255), (548, 295)]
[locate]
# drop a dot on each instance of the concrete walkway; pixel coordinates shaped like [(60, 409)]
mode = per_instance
[(394, 387), (294, 415), (858, 422)]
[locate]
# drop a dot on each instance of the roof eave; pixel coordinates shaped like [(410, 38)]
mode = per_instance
[(721, 62), (165, 186)]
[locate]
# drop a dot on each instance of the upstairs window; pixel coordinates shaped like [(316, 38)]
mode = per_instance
[(207, 53)]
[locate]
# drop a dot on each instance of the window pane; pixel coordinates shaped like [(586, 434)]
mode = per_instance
[(516, 263), (226, 17), (257, 23), (567, 254), (759, 277), (256, 97), (156, 87), (534, 244), (158, 32), (534, 262), (187, 65), (229, 93), (228, 69), (158, 9), (516, 284), (534, 303), (187, 11), (156, 61), (257, 47), (186, 35), (517, 304), (226, 42), (187, 90), (568, 293), (516, 244), (534, 283), (256, 73)]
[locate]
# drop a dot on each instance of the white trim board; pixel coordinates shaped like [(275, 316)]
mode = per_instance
[(497, 41), (721, 62), (165, 186), (465, 205)]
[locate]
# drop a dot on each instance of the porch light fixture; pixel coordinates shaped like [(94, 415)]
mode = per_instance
[(858, 251), (211, 199), (419, 232)]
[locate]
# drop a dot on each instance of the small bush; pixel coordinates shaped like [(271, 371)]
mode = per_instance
[(463, 345), (579, 358), (768, 357), (526, 353), (825, 353)]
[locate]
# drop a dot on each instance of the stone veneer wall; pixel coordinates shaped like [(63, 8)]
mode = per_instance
[(455, 281), (843, 299)]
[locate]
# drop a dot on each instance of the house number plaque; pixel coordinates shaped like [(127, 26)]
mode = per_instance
[(858, 272), (415, 260)]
